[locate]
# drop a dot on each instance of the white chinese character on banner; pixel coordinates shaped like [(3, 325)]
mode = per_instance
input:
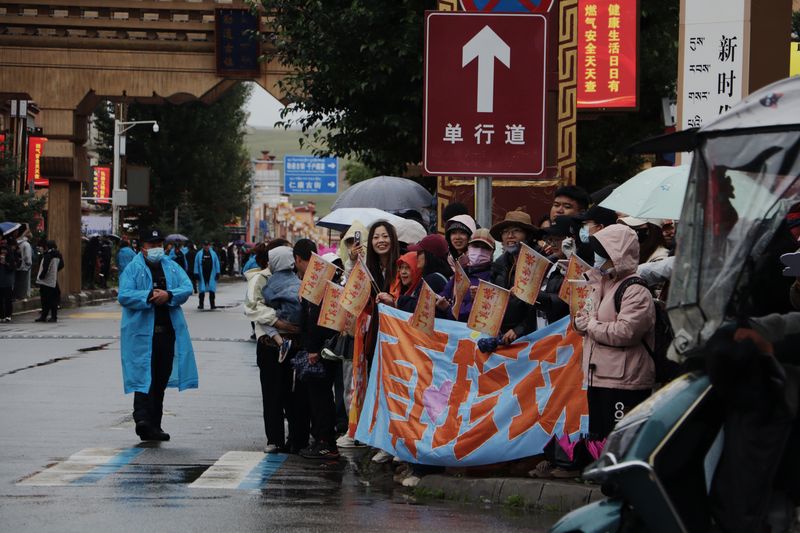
[(300, 184), (484, 129), (317, 185), (452, 134), (515, 134)]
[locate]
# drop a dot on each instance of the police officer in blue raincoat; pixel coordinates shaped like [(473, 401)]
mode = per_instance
[(207, 270), (156, 347)]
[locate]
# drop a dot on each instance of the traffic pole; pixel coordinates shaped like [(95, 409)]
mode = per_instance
[(483, 201)]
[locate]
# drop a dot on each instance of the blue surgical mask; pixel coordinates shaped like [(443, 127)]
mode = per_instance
[(599, 260), (154, 255), (584, 235)]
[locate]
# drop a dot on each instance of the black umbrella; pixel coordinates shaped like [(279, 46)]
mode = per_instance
[(385, 192)]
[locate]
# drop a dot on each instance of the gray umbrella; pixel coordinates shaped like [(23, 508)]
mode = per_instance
[(385, 192)]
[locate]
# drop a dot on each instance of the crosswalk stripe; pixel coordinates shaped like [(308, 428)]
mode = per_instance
[(259, 476), (240, 470), (85, 467)]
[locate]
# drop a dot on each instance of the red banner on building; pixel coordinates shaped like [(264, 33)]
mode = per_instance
[(607, 54), (35, 150), (102, 184)]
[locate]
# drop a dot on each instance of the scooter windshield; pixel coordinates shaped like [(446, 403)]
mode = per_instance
[(740, 188)]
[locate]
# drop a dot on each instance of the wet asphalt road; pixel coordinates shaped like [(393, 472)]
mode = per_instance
[(70, 461)]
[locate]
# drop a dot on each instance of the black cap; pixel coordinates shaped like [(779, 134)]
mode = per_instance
[(600, 215), (561, 227), (151, 235)]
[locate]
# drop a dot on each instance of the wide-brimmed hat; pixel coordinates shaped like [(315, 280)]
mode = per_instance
[(514, 218), (482, 236)]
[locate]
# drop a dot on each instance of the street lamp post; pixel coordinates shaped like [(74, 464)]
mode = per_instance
[(119, 197)]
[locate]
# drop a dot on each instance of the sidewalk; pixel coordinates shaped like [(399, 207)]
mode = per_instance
[(85, 297), (543, 495)]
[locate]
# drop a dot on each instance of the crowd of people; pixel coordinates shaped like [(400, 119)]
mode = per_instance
[(630, 259), (18, 259)]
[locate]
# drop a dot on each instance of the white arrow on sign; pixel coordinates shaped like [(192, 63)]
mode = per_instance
[(486, 45), (332, 184)]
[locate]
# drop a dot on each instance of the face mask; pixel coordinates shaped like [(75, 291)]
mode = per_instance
[(513, 249), (154, 255), (599, 260), (584, 235), (478, 256)]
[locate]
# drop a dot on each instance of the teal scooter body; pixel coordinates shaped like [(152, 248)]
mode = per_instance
[(628, 468)]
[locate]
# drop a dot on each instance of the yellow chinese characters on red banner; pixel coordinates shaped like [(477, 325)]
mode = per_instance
[(331, 314), (488, 309), (425, 312), (35, 150), (531, 269), (607, 53), (357, 289), (578, 295), (102, 184), (576, 268), (317, 273), (460, 289)]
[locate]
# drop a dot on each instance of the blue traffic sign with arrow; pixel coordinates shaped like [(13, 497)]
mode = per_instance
[(305, 174)]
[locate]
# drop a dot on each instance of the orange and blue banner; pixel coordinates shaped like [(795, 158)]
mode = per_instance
[(439, 400)]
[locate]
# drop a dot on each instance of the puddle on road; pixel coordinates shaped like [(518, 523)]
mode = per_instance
[(146, 476)]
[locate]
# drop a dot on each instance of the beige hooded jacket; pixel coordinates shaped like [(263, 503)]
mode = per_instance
[(613, 354), (254, 307)]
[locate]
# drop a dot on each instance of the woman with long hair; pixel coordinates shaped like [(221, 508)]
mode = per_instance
[(383, 251)]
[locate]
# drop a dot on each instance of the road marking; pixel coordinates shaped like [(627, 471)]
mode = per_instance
[(85, 467), (240, 470), (62, 336)]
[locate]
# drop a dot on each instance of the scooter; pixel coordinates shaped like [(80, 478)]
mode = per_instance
[(682, 460)]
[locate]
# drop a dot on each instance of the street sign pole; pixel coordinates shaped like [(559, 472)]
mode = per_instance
[(483, 201)]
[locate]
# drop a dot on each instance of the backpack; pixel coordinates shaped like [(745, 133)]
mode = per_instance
[(666, 370)]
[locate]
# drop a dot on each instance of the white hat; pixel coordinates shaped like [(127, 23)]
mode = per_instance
[(330, 257), (634, 222)]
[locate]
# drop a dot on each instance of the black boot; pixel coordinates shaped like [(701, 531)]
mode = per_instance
[(211, 299), (201, 297)]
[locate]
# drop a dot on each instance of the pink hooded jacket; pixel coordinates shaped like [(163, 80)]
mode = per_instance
[(613, 354)]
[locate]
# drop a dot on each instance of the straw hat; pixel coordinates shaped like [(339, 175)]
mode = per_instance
[(514, 218)]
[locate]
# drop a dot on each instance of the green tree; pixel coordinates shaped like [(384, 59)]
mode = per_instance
[(602, 142), (198, 162), (355, 172), (357, 75)]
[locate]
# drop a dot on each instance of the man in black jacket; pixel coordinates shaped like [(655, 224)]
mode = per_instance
[(320, 391), (516, 229), (549, 307)]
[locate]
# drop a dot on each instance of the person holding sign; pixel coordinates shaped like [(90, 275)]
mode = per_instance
[(616, 330), (519, 318), (479, 267)]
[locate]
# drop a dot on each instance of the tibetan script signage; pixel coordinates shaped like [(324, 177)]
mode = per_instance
[(237, 43), (713, 61), (607, 54)]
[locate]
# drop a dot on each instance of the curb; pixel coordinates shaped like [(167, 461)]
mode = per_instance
[(551, 496), (82, 298)]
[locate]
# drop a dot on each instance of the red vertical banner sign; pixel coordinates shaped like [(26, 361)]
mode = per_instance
[(35, 149), (102, 183), (607, 54)]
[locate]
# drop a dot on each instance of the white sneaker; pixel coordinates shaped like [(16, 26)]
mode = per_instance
[(270, 448), (346, 441), (411, 481), (381, 457)]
